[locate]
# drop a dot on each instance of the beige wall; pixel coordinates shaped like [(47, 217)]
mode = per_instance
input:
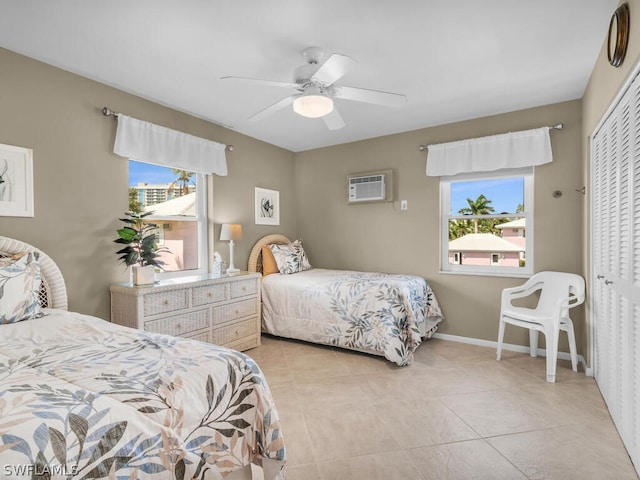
[(379, 236), (605, 83), (81, 186), (81, 189)]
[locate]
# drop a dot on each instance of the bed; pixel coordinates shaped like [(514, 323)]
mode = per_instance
[(83, 398), (377, 313)]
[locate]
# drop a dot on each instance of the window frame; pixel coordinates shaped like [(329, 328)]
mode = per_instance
[(201, 218), (527, 173)]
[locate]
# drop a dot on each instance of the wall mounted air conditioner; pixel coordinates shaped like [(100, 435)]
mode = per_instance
[(369, 187)]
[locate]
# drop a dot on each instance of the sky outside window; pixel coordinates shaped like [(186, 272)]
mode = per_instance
[(146, 173), (505, 193)]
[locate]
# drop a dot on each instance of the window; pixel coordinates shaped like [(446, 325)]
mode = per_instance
[(177, 199), (484, 220)]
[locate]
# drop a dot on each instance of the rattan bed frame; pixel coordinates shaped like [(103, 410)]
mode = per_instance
[(53, 293), (255, 257)]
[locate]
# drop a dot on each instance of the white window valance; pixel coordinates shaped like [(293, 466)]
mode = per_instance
[(509, 150), (149, 143)]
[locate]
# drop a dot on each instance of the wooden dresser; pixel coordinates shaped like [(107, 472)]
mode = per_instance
[(220, 309)]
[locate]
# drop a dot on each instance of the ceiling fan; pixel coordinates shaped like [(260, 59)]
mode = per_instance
[(316, 89)]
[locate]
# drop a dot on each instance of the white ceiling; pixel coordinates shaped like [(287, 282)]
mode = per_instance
[(454, 60)]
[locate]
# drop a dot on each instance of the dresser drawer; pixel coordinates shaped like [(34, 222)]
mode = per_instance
[(161, 302), (235, 332), (180, 324), (209, 294), (234, 311), (203, 336), (245, 343), (243, 288)]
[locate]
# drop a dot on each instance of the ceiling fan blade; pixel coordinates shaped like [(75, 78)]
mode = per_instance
[(333, 69), (370, 96), (333, 120), (271, 83), (279, 105)]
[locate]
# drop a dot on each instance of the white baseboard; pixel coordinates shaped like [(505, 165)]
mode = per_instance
[(511, 347)]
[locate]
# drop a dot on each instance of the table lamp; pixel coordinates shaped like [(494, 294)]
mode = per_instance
[(231, 232)]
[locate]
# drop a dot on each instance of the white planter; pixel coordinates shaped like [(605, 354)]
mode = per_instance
[(143, 275)]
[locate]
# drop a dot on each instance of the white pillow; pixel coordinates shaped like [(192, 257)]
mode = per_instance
[(290, 258), (19, 287)]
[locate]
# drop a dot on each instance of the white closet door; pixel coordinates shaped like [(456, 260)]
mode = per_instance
[(615, 264)]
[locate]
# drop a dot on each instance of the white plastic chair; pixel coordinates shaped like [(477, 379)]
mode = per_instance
[(558, 293)]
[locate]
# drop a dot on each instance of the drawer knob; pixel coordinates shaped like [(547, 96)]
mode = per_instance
[(209, 295), (178, 326), (166, 302)]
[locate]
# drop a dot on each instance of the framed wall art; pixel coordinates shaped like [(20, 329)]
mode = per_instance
[(267, 207), (16, 181)]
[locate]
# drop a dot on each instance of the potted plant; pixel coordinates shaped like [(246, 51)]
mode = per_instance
[(141, 251)]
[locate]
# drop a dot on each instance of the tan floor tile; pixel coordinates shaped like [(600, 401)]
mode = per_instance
[(383, 466), (586, 391), (496, 412), (549, 401), (502, 374), (312, 367), (417, 384), (429, 357), (271, 360), (461, 353), (358, 363), (472, 460), (343, 411), (256, 472), (447, 382), (348, 431), (297, 348), (537, 366), (268, 357), (286, 398), (424, 424), (334, 392), (572, 452), (302, 472), (269, 341), (276, 375), (299, 446)]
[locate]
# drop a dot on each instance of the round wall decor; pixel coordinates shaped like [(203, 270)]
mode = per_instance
[(618, 39)]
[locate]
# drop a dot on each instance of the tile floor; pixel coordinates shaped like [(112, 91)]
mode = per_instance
[(455, 413)]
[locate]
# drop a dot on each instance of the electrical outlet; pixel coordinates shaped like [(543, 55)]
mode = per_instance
[(404, 205)]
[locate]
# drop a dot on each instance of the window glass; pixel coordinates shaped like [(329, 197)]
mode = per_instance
[(484, 219), (177, 200)]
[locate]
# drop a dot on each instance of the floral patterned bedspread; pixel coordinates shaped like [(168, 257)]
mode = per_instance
[(372, 312), (83, 398)]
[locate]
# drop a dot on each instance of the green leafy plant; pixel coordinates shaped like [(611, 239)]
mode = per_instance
[(140, 240)]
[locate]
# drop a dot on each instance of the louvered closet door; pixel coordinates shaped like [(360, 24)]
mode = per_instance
[(615, 282)]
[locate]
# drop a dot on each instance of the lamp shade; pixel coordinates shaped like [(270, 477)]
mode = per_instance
[(313, 106), (231, 231)]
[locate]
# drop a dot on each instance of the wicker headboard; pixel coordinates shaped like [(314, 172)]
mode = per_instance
[(53, 293), (255, 257)]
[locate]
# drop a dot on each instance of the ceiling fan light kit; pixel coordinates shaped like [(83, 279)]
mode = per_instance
[(313, 106), (316, 90)]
